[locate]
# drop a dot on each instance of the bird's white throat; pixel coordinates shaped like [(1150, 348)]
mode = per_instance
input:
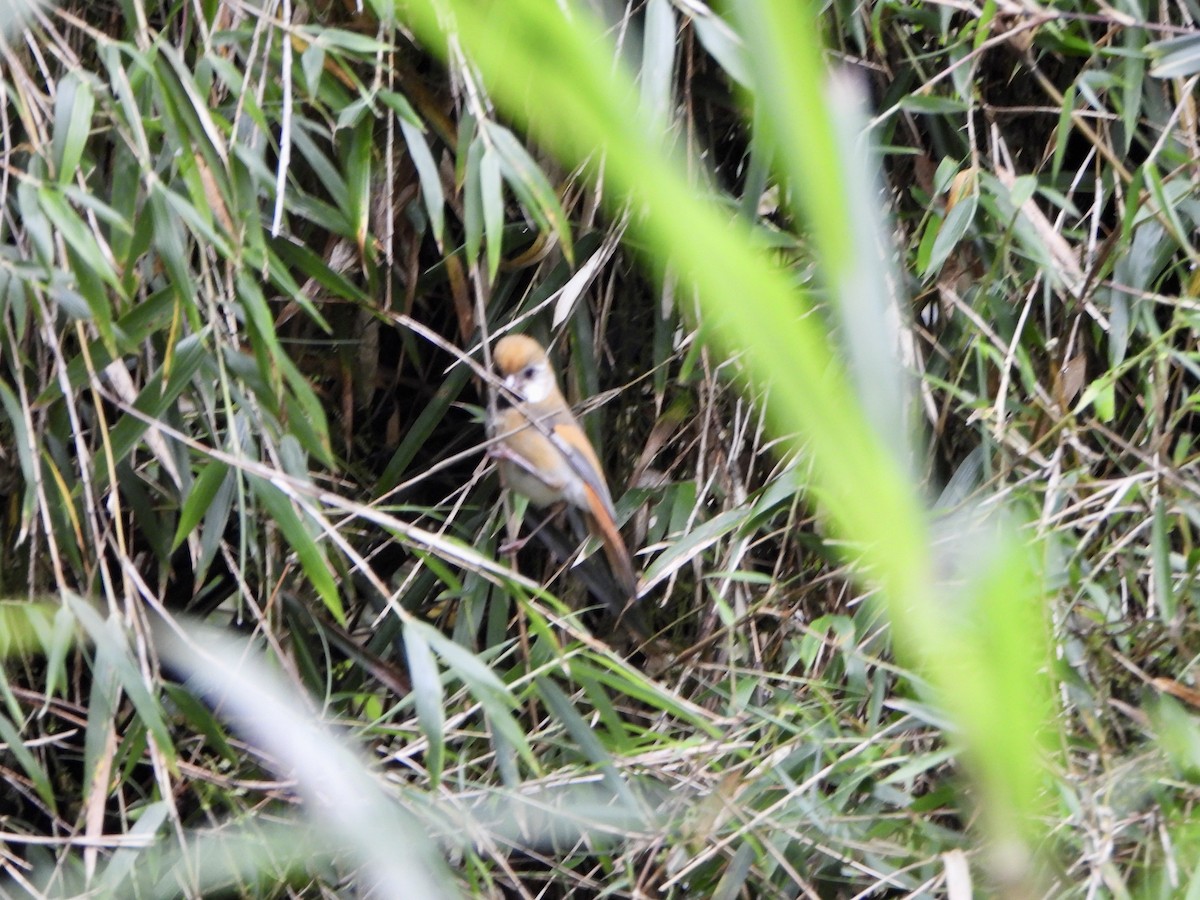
[(534, 390)]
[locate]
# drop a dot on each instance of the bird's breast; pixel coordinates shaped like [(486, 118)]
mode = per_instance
[(532, 465)]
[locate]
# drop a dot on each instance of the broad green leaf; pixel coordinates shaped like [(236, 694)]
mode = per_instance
[(585, 739), (473, 214), (124, 861), (493, 695), (328, 174), (62, 640), (427, 172), (492, 197), (427, 692), (21, 442), (658, 60), (692, 544), (1160, 561), (282, 279), (73, 108), (341, 39), (399, 104), (79, 238), (312, 64), (1176, 57), (725, 46), (36, 223), (198, 501), (293, 255), (309, 553), (116, 669), (159, 394), (930, 104), (529, 183), (359, 180), (954, 228)]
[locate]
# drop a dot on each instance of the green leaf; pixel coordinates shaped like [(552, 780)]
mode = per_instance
[(1133, 76), (306, 412), (530, 184), (418, 434), (150, 819), (1176, 57), (399, 104), (1102, 394), (1160, 561), (695, 542), (159, 394), (341, 39), (329, 176), (431, 180), (358, 180), (92, 270), (312, 64), (427, 691), (954, 228), (15, 745), (932, 105), (36, 223), (585, 738), (62, 640), (309, 553), (198, 500), (289, 254), (170, 242), (116, 668), (493, 695), (473, 216), (724, 45), (1065, 124), (21, 441), (73, 108), (282, 278), (658, 60), (492, 191)]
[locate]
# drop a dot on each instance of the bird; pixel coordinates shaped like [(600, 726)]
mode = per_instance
[(543, 453)]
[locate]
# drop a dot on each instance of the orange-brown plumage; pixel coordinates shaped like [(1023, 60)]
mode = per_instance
[(544, 454)]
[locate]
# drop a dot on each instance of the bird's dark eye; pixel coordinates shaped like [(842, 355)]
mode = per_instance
[(528, 372)]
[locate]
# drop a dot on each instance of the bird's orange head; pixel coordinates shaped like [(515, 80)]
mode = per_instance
[(522, 363)]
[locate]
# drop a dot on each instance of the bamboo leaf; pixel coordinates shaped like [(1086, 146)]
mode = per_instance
[(116, 669), (473, 212), (73, 108), (658, 60), (1176, 57), (299, 538), (427, 691), (953, 229), (28, 763), (427, 171), (198, 501), (492, 203), (530, 184), (358, 182)]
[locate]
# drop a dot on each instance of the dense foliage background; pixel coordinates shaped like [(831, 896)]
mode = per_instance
[(915, 634)]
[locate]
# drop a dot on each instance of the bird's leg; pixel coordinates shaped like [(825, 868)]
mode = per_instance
[(511, 547), (501, 452)]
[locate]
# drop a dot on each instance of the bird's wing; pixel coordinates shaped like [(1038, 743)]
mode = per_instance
[(581, 456)]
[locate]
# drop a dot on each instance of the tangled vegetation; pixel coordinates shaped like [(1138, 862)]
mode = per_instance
[(887, 337)]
